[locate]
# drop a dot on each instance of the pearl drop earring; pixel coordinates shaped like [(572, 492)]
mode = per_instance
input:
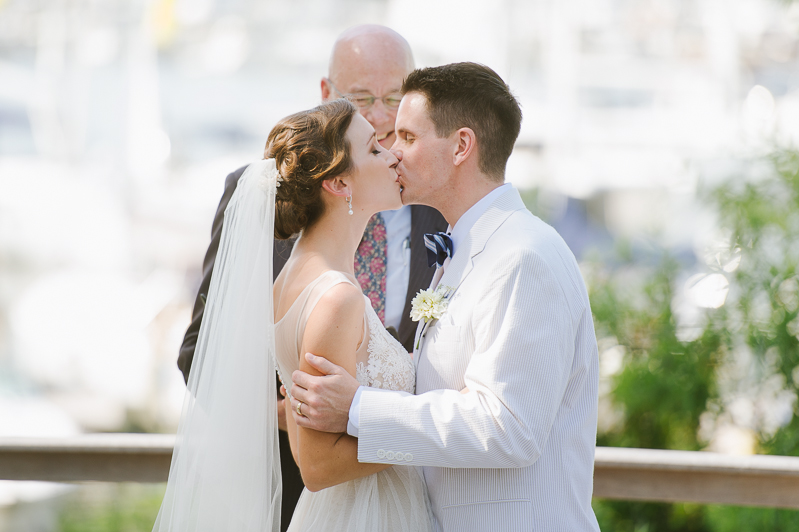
[(349, 203)]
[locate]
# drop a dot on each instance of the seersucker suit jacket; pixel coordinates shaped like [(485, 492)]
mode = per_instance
[(516, 452)]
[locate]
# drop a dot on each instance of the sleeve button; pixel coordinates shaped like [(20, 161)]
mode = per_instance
[(408, 457), (381, 453)]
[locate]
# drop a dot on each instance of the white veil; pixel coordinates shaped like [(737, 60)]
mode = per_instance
[(225, 473)]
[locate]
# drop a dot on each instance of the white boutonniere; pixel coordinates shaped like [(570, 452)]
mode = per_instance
[(430, 305)]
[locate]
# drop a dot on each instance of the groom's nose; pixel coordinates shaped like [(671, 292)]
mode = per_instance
[(396, 152)]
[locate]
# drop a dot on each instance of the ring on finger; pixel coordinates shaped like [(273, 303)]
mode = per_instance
[(299, 408)]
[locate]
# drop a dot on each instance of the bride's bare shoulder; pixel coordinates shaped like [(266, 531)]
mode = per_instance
[(342, 302), (335, 329), (296, 276)]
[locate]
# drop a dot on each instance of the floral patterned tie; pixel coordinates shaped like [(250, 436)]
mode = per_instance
[(370, 264)]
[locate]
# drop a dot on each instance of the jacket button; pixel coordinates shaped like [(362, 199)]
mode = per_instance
[(381, 453), (409, 457), (389, 455)]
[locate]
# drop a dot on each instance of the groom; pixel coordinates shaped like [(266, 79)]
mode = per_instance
[(504, 423)]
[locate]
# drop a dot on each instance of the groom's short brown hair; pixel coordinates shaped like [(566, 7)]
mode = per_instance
[(474, 96)]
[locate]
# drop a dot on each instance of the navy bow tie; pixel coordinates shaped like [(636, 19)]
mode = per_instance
[(439, 247)]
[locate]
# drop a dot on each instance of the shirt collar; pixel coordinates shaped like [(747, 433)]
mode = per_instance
[(470, 217), (389, 215)]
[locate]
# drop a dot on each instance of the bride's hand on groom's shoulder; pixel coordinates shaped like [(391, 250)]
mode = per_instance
[(326, 399)]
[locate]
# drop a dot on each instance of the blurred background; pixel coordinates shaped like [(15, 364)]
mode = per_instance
[(658, 139)]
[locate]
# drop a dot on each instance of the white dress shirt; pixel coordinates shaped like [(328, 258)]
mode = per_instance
[(458, 233), (398, 262)]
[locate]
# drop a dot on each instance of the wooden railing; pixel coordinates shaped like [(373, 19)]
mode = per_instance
[(684, 476), (104, 457), (619, 473)]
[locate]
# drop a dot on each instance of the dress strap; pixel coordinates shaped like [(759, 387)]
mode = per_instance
[(316, 290), (289, 330)]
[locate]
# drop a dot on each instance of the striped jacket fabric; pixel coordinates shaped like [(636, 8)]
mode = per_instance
[(515, 451)]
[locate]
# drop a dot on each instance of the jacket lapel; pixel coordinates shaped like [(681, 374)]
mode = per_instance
[(462, 262), (478, 236), (421, 325)]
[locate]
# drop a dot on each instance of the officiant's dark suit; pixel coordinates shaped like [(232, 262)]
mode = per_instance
[(423, 220)]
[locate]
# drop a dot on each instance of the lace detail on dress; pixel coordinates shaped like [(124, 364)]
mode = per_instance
[(393, 500), (389, 366)]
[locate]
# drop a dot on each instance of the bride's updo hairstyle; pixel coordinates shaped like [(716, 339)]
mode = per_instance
[(308, 147)]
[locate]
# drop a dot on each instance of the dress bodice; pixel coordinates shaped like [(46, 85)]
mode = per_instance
[(387, 365), (393, 500), (381, 361)]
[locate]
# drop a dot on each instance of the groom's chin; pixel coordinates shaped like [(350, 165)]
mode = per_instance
[(408, 199)]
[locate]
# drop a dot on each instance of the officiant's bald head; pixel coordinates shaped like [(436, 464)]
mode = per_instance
[(370, 60)]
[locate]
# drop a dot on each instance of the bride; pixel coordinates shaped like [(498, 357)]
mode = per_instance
[(323, 176)]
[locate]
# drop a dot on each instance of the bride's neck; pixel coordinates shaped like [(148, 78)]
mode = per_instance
[(335, 238)]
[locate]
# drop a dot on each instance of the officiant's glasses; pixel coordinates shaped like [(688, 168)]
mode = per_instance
[(364, 100)]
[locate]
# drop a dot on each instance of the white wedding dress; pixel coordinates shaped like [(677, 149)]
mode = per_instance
[(393, 500), (225, 472)]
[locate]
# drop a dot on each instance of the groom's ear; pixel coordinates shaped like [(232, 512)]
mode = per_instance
[(336, 187), (465, 145)]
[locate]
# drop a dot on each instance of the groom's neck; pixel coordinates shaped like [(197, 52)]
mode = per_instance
[(466, 190)]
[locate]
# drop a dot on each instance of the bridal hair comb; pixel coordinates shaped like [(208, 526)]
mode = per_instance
[(270, 177)]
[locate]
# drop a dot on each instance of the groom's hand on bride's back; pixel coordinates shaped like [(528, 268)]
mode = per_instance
[(326, 398)]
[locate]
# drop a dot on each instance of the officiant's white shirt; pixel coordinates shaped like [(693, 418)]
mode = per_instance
[(458, 233), (398, 262)]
